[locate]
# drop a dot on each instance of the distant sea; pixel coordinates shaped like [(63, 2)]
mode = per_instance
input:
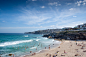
[(21, 44)]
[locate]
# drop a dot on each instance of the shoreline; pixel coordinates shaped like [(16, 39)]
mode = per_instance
[(44, 50), (67, 48)]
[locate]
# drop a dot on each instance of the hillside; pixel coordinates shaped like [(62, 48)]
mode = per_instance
[(47, 31)]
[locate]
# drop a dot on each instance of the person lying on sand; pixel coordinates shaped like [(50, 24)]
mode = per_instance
[(82, 47), (33, 54), (50, 55), (77, 55), (46, 54), (54, 56), (79, 45), (57, 51)]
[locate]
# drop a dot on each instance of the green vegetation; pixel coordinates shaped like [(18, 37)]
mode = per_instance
[(67, 32)]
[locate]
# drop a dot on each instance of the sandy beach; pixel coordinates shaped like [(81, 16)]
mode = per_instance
[(67, 48)]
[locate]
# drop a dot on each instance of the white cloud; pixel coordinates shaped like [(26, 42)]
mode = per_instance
[(81, 2), (54, 3), (74, 16), (61, 17), (68, 3), (42, 6), (31, 17), (27, 1), (30, 0), (34, 0), (34, 17), (71, 9), (52, 26), (84, 3), (67, 24), (37, 20), (59, 4)]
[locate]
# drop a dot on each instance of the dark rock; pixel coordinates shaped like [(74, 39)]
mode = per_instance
[(67, 36), (10, 54)]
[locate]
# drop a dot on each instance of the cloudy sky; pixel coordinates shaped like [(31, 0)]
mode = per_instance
[(19, 16)]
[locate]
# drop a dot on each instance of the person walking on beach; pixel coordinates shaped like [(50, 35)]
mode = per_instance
[(49, 47), (41, 45), (45, 47), (64, 51), (30, 51), (76, 43), (36, 48), (13, 55)]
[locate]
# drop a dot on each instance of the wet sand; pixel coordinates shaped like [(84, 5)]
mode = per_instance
[(66, 49)]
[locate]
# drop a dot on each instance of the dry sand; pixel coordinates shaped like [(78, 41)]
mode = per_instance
[(66, 49)]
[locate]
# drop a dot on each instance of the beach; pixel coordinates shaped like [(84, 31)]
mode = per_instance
[(67, 48)]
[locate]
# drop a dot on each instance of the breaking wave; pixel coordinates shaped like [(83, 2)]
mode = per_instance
[(14, 43)]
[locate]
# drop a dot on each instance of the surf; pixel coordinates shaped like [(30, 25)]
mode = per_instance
[(14, 43)]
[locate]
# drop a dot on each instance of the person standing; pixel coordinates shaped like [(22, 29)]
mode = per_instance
[(49, 47)]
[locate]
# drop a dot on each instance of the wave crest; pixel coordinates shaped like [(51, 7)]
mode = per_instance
[(14, 43), (37, 39)]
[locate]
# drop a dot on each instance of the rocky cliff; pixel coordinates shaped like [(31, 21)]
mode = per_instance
[(68, 35)]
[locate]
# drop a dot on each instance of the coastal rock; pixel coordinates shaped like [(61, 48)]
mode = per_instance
[(50, 37), (45, 35), (68, 35)]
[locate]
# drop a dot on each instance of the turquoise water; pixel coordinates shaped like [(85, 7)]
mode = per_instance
[(21, 44)]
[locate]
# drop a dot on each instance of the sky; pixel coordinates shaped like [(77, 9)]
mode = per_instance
[(19, 16)]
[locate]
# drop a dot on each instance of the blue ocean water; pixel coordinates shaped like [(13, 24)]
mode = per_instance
[(21, 44)]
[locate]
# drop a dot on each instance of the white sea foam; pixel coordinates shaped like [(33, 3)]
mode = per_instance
[(45, 38), (37, 39), (14, 43), (39, 51), (33, 47), (57, 42), (53, 40), (25, 35)]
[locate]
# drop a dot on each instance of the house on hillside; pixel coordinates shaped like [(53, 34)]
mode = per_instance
[(82, 27)]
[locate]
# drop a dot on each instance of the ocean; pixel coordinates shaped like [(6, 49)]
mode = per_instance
[(21, 44)]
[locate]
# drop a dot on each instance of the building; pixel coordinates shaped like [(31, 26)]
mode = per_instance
[(82, 27)]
